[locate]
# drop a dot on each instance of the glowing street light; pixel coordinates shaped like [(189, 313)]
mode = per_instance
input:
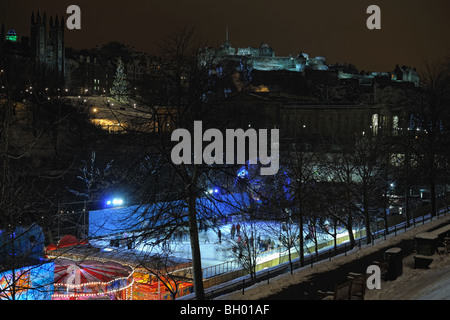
[(115, 202), (214, 190)]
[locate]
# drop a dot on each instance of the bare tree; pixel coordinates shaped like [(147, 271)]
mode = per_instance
[(244, 245), (161, 265), (21, 240), (354, 179), (428, 110), (92, 177), (302, 168), (281, 220), (187, 91), (23, 275), (29, 142)]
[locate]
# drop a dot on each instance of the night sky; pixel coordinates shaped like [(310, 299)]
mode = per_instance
[(412, 30)]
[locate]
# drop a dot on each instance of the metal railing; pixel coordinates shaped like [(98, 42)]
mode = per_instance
[(219, 269), (324, 253)]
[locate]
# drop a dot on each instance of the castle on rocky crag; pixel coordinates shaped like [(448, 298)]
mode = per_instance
[(263, 58)]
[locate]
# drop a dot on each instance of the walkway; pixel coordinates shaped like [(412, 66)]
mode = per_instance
[(417, 284), (305, 282)]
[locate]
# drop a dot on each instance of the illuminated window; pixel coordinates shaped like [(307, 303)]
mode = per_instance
[(375, 124), (395, 125)]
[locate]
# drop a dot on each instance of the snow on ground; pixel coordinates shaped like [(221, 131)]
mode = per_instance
[(417, 284), (212, 252), (413, 284)]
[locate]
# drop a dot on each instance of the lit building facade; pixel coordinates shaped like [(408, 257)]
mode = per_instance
[(263, 58), (43, 49)]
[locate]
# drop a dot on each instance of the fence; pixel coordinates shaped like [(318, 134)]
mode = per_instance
[(219, 269), (230, 275), (268, 258)]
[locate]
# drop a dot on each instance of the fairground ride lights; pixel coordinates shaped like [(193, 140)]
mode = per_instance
[(95, 283), (90, 283), (50, 256), (97, 294)]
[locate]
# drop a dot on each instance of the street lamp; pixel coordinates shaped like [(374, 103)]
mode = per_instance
[(115, 202), (215, 190)]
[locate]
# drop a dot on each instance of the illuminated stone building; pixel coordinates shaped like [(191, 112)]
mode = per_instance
[(47, 48), (92, 72), (43, 49), (262, 58)]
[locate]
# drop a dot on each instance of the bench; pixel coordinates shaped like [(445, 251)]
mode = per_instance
[(384, 268), (343, 291), (422, 262), (358, 288), (353, 289), (428, 242)]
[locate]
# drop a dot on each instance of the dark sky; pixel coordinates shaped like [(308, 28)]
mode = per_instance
[(412, 30)]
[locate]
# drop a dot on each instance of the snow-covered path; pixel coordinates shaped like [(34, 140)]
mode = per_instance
[(433, 283), (417, 284)]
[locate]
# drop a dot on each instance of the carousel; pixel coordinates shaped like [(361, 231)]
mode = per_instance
[(89, 278), (84, 272), (75, 280)]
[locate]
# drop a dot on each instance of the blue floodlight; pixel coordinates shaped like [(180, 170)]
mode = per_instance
[(115, 202), (242, 173), (214, 190)]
